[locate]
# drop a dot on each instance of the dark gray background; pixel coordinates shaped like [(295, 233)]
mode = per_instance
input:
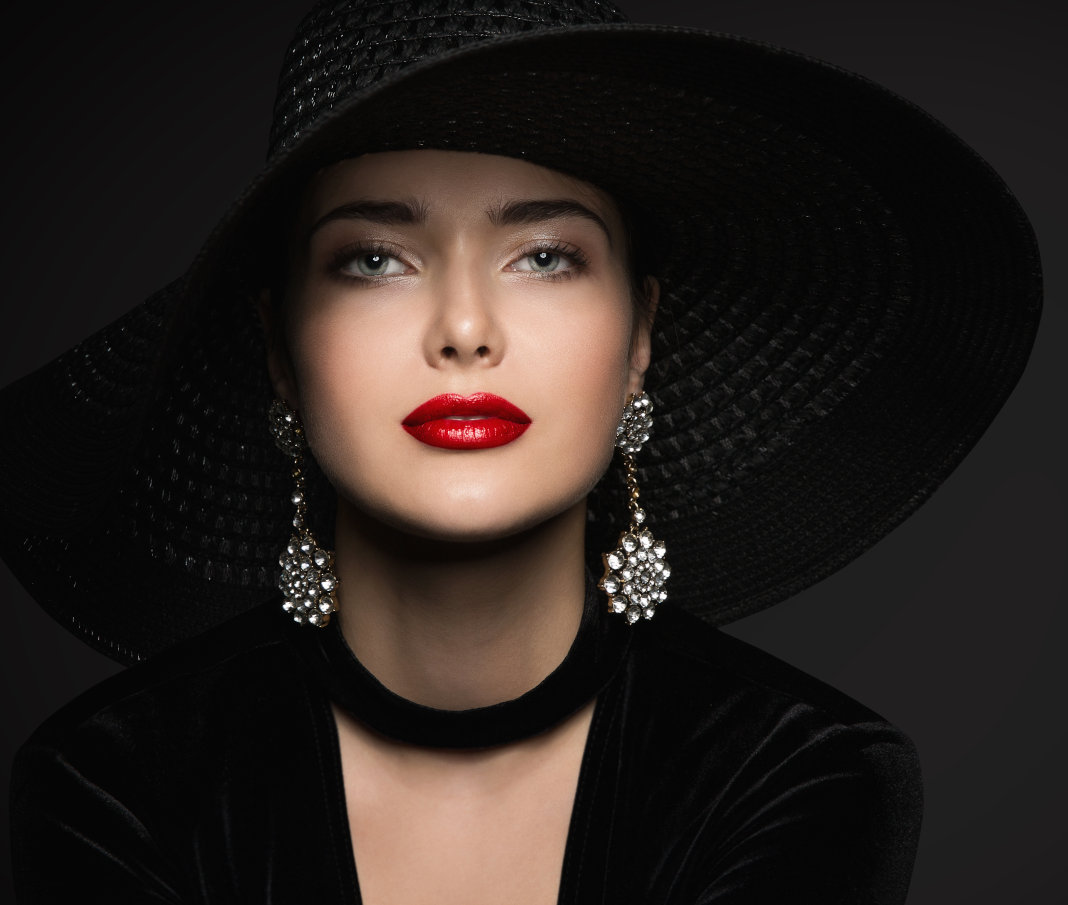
[(129, 126)]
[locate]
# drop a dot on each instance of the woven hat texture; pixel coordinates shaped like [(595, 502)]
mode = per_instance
[(849, 294)]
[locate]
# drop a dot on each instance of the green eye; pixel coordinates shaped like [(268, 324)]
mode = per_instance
[(556, 260), (372, 264), (544, 261)]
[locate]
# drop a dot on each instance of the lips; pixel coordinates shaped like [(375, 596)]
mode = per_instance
[(478, 421)]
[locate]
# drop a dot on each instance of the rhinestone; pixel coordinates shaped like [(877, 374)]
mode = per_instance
[(634, 575), (666, 573), (315, 619), (328, 583), (321, 558), (326, 606), (639, 516), (305, 547), (297, 498)]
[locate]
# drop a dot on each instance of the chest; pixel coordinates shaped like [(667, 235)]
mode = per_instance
[(461, 827)]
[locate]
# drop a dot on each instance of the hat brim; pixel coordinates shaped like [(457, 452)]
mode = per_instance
[(850, 294)]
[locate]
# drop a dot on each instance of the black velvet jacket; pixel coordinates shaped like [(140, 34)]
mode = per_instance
[(713, 773)]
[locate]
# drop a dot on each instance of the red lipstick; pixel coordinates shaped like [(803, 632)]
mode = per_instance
[(478, 421)]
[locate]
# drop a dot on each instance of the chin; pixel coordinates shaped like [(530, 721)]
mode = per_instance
[(477, 525), (443, 520)]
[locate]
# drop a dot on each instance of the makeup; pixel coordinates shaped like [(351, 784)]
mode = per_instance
[(478, 421)]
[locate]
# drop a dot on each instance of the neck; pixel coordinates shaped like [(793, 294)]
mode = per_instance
[(460, 625)]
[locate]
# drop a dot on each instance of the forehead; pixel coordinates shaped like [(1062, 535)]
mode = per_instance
[(447, 183)]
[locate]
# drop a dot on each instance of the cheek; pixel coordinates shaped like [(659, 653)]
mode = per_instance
[(591, 349), (584, 370), (589, 375), (343, 365)]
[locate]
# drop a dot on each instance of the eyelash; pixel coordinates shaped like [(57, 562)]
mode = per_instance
[(346, 255), (572, 253)]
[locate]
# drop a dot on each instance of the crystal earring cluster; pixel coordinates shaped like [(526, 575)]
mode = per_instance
[(635, 572), (307, 579)]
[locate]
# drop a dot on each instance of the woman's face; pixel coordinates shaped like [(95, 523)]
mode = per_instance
[(451, 278)]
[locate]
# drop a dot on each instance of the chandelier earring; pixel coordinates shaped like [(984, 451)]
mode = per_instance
[(307, 580), (635, 572)]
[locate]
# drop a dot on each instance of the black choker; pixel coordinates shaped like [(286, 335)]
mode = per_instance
[(595, 654)]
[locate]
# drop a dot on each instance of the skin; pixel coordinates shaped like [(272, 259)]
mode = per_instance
[(461, 573)]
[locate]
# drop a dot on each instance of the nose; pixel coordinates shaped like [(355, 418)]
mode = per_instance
[(464, 330)]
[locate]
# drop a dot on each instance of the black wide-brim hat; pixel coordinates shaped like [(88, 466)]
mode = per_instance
[(849, 294)]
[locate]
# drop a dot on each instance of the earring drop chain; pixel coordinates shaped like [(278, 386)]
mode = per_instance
[(307, 581), (298, 498), (637, 514), (635, 572)]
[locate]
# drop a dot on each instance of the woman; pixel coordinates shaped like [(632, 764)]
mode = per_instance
[(452, 350)]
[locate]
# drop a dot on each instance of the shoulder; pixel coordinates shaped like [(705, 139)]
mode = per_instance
[(156, 745), (764, 775), (762, 721), (132, 787), (174, 700)]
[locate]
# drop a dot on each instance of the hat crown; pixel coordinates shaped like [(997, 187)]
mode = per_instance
[(343, 46)]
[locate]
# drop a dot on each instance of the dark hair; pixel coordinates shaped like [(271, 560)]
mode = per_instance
[(641, 256)]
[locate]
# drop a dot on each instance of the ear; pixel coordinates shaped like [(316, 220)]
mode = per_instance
[(641, 337), (279, 366)]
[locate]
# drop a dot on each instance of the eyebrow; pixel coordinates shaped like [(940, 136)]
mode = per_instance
[(388, 213), (520, 213), (514, 213)]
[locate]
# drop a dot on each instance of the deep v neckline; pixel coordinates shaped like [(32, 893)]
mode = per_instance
[(575, 844), (596, 655)]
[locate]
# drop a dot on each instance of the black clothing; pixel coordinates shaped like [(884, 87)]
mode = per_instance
[(713, 773)]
